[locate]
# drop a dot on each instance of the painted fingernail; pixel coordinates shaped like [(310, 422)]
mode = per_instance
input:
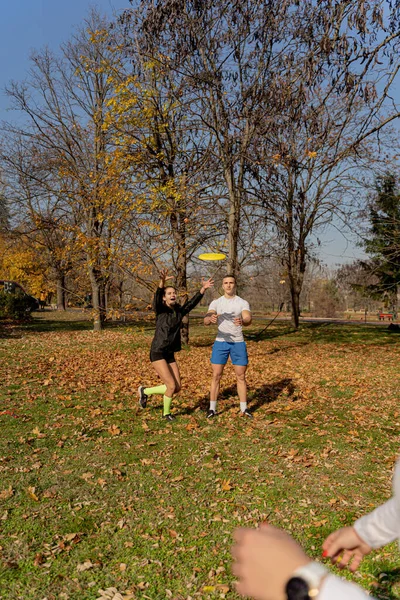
[(325, 553)]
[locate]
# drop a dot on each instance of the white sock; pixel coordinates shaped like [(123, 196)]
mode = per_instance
[(213, 405), (243, 406)]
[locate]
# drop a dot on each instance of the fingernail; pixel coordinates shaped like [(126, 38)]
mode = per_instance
[(325, 553)]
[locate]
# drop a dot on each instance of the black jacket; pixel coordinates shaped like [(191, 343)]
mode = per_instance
[(168, 322)]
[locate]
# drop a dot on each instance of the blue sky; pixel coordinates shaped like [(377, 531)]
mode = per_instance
[(31, 24)]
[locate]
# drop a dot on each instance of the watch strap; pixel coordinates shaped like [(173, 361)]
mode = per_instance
[(312, 574)]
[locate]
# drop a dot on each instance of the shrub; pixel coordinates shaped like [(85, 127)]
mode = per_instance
[(16, 306)]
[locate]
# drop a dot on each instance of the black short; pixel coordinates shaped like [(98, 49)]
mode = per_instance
[(169, 357)]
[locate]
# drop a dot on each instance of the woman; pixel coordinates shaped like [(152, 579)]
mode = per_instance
[(167, 341)]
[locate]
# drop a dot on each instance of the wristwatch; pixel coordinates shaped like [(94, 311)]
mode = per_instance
[(305, 582)]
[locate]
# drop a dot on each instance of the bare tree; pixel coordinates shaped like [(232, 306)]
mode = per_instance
[(292, 93), (65, 102)]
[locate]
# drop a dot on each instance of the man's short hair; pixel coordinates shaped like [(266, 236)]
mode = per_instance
[(231, 276)]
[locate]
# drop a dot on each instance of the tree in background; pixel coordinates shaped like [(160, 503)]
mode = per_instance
[(383, 241), (65, 105), (172, 214), (330, 105), (294, 95)]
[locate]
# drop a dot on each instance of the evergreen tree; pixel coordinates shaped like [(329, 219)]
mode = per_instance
[(383, 242)]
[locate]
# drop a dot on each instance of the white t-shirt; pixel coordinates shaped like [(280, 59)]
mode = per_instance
[(227, 309)]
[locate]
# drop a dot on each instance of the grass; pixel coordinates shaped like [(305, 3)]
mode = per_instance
[(96, 493)]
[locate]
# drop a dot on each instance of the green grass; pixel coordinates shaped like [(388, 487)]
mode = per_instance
[(96, 493)]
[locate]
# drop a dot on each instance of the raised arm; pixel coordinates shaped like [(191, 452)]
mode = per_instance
[(190, 304)]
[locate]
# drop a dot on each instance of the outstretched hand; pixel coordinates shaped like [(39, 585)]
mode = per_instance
[(164, 276), (206, 284), (345, 548), (265, 559)]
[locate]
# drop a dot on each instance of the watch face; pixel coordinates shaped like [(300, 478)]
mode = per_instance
[(297, 589)]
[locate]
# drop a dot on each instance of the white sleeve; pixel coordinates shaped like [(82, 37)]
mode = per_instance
[(381, 526), (245, 305), (334, 588), (214, 306)]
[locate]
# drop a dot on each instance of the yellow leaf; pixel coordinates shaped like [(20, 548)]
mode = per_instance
[(31, 492), (114, 430), (226, 485)]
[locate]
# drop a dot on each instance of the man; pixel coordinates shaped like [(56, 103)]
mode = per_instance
[(230, 312)]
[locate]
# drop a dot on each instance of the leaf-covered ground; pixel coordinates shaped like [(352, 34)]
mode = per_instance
[(100, 499)]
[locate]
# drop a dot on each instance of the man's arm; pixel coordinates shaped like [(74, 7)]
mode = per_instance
[(246, 317), (210, 318)]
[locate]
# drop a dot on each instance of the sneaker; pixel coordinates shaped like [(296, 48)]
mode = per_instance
[(142, 397), (169, 417), (211, 414), (246, 413)]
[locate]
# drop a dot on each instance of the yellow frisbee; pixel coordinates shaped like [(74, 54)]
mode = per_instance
[(212, 256)]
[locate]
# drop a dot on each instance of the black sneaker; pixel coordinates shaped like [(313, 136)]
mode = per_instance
[(211, 414), (169, 417), (142, 397), (246, 413)]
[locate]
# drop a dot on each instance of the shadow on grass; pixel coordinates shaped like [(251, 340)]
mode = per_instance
[(330, 333), (266, 394), (388, 587), (269, 334), (38, 325)]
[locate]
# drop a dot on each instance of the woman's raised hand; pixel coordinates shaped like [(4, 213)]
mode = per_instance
[(164, 276), (206, 284)]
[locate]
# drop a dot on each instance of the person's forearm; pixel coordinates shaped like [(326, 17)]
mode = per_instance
[(381, 526), (334, 587), (247, 321)]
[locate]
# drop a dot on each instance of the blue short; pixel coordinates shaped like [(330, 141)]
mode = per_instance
[(236, 350)]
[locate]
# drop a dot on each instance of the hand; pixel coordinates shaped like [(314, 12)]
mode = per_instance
[(265, 559), (214, 318), (164, 276), (238, 321), (206, 284), (347, 541)]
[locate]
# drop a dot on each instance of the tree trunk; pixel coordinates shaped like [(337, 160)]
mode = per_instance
[(233, 224), (179, 234), (295, 297), (296, 267), (97, 299), (60, 287)]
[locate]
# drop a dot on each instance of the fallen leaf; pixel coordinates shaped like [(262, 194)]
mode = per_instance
[(85, 566), (5, 494), (31, 493), (226, 486)]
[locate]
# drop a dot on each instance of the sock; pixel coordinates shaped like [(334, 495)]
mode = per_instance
[(243, 406), (167, 405), (158, 389), (213, 405)]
